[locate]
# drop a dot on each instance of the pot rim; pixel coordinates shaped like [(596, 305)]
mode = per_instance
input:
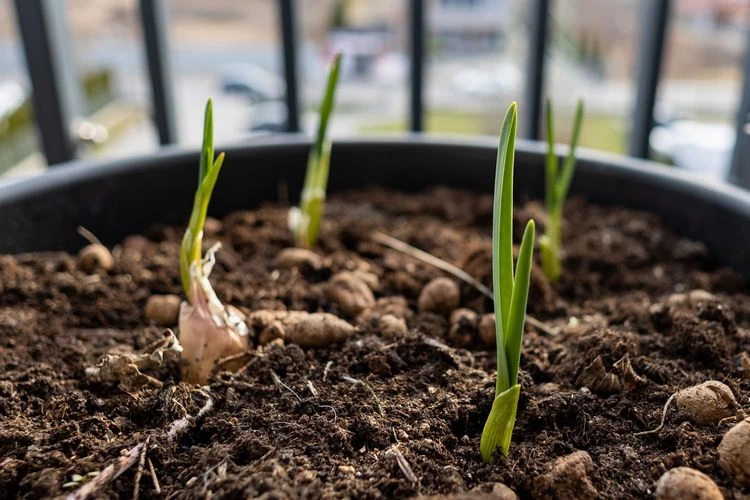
[(722, 193)]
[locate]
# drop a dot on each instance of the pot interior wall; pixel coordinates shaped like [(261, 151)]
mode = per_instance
[(118, 198)]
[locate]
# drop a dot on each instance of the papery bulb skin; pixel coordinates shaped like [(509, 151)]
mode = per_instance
[(299, 223), (208, 333)]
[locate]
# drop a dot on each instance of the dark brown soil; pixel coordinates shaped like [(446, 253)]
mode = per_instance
[(343, 421)]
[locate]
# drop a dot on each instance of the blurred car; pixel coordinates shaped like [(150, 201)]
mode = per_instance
[(253, 81), (270, 116), (703, 148)]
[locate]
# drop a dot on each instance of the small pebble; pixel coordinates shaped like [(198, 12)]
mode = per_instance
[(677, 299), (440, 296), (95, 258), (734, 452), (487, 329), (300, 327), (699, 295), (396, 305), (163, 310), (392, 327), (368, 278), (742, 363), (136, 243), (492, 491), (298, 257), (463, 330), (707, 403), (350, 293), (691, 298), (307, 476), (211, 226), (547, 389), (497, 491), (463, 315), (567, 477), (685, 483)]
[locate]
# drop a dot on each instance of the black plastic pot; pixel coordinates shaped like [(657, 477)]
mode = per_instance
[(117, 198)]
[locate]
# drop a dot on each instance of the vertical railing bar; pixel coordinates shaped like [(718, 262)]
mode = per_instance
[(289, 47), (56, 90), (740, 167), (156, 45), (535, 69), (416, 93), (653, 33)]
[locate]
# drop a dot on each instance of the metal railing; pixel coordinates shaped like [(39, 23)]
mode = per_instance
[(47, 46)]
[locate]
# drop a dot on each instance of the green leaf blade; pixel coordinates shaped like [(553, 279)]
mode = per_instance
[(498, 429), (510, 295), (502, 231), (326, 106), (566, 176), (315, 200), (207, 149), (551, 165), (557, 184), (514, 335), (209, 169), (551, 265), (312, 201)]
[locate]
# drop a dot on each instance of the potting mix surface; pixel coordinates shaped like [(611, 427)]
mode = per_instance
[(397, 408)]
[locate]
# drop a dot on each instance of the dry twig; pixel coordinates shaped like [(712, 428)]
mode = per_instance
[(279, 384), (139, 470), (88, 236), (405, 248), (132, 456), (325, 370), (403, 464), (663, 418), (455, 271), (154, 479)]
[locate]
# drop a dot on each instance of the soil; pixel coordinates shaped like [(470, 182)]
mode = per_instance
[(381, 414)]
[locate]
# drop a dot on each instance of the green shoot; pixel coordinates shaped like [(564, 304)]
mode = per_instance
[(209, 332), (304, 221), (556, 187), (510, 291), (208, 173)]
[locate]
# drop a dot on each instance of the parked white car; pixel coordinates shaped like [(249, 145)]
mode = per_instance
[(253, 81), (703, 148)]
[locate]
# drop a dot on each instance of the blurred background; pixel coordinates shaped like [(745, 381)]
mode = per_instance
[(476, 55)]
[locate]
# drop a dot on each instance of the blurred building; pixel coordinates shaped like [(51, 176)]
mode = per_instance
[(468, 26)]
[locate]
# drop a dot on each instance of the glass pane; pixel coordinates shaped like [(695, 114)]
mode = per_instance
[(592, 55), (373, 36), (229, 51), (19, 147), (476, 62), (700, 88), (114, 95)]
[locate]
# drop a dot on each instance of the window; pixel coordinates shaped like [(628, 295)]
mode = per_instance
[(229, 51), (701, 82), (373, 37), (592, 55), (115, 97), (476, 56), (19, 147)]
